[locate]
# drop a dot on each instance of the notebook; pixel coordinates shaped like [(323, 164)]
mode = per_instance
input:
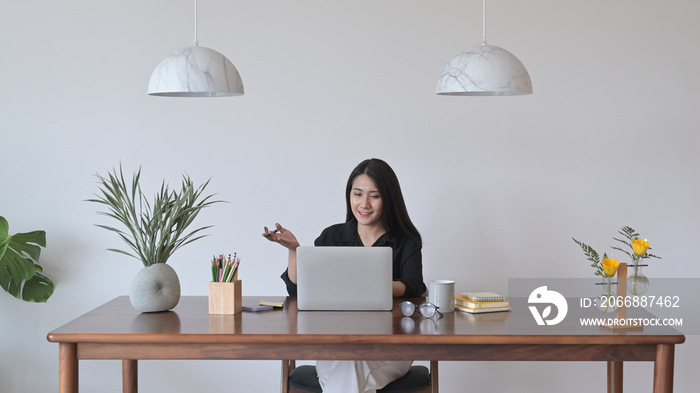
[(344, 278)]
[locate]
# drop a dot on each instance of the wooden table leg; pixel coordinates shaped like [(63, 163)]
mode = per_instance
[(663, 368), (284, 383), (434, 376), (68, 367), (130, 376), (615, 376)]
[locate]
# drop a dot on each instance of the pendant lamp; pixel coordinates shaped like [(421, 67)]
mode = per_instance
[(195, 71), (485, 70)]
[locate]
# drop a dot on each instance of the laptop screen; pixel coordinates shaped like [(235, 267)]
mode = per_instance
[(344, 278)]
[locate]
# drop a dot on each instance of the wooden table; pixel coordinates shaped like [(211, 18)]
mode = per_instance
[(116, 331)]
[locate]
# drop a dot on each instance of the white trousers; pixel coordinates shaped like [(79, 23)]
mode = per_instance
[(361, 376)]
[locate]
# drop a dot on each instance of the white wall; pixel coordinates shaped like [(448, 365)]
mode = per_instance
[(497, 185)]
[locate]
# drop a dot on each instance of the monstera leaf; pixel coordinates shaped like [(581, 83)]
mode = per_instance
[(20, 274)]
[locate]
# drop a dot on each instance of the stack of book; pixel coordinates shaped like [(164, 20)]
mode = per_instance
[(481, 302)]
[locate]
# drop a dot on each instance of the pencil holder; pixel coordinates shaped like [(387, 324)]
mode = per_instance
[(225, 297)]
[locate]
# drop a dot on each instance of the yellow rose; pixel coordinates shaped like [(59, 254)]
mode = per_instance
[(640, 246), (610, 266)]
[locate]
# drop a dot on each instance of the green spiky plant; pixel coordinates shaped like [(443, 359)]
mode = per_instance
[(20, 273), (154, 231)]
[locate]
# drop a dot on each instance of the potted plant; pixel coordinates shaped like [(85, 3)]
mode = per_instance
[(153, 231), (20, 274)]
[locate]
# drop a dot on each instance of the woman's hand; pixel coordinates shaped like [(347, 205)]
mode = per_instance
[(282, 236)]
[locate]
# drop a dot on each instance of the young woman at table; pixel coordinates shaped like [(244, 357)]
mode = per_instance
[(376, 217)]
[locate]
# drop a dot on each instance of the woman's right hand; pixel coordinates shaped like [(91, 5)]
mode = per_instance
[(282, 236)]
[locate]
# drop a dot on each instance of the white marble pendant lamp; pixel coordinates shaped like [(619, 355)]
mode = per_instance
[(485, 70), (195, 71)]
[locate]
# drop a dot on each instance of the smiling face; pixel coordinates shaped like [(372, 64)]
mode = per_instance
[(366, 202)]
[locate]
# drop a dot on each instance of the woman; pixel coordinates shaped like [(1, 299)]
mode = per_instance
[(376, 217)]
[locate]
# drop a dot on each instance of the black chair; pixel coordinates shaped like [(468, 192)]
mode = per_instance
[(303, 379)]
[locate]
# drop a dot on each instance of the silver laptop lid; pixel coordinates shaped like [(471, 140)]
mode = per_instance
[(344, 278)]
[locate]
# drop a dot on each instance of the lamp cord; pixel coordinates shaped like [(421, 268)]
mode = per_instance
[(196, 42), (483, 24)]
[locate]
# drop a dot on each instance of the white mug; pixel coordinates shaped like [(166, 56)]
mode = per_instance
[(442, 294)]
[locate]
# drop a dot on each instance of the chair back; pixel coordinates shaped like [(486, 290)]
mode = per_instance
[(304, 379)]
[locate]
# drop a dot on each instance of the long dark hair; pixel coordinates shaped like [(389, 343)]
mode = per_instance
[(394, 213)]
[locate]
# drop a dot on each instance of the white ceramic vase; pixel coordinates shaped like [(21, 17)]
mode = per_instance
[(155, 288)]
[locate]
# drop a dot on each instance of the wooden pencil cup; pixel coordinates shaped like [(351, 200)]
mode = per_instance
[(225, 297)]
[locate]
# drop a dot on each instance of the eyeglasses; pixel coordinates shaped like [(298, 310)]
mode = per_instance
[(426, 310)]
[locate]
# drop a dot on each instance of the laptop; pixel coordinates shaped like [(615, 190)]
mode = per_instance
[(344, 278)]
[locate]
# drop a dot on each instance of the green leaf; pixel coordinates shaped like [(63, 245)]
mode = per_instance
[(20, 274), (593, 256), (629, 254), (37, 289), (30, 243)]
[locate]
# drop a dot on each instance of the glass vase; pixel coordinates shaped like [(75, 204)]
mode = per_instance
[(637, 282), (606, 300)]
